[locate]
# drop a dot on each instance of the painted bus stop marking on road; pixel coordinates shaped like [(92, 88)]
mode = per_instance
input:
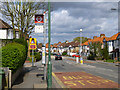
[(84, 80)]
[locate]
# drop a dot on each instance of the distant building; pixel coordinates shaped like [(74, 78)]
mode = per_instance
[(6, 31)]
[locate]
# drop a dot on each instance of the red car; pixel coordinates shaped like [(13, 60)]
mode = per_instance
[(76, 55)]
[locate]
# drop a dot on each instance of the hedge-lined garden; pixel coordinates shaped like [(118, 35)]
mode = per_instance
[(14, 54)]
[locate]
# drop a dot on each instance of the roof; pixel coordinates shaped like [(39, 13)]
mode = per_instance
[(39, 45), (97, 39), (47, 45), (114, 37), (4, 25)]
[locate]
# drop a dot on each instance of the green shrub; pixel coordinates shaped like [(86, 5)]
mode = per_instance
[(64, 53), (13, 56), (30, 59), (38, 56), (91, 57)]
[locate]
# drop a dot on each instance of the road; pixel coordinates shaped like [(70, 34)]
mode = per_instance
[(104, 71)]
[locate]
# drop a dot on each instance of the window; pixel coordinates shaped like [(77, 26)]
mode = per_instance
[(17, 35)]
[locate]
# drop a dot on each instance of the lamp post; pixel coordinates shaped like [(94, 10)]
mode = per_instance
[(81, 59), (49, 69)]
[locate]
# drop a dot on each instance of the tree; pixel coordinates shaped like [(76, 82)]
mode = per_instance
[(84, 39), (20, 15), (95, 50), (105, 51)]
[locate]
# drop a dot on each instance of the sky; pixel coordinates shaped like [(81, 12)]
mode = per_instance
[(94, 18)]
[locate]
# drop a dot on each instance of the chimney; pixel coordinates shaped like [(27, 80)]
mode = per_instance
[(59, 42), (89, 38), (66, 41), (102, 35), (94, 37)]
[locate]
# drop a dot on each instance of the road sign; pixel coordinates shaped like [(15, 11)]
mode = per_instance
[(39, 29), (32, 43), (43, 55), (39, 18)]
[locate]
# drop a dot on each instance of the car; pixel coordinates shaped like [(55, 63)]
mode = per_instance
[(54, 53), (76, 55), (58, 57)]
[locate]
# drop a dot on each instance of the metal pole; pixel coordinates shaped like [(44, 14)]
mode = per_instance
[(32, 58), (0, 64), (45, 47), (81, 59), (49, 49)]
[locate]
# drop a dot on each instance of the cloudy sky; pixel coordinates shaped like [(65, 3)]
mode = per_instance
[(94, 18)]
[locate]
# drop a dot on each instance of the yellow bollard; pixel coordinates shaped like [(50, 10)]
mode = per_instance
[(81, 60)]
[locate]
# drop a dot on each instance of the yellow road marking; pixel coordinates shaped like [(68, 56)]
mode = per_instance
[(59, 81), (81, 82), (70, 83)]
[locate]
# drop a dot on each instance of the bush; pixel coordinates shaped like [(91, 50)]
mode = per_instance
[(91, 56), (38, 56), (64, 53), (13, 56)]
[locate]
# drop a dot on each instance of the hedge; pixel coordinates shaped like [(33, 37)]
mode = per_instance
[(13, 56), (38, 56), (64, 53)]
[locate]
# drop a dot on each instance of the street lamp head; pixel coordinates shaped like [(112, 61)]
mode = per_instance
[(80, 30), (113, 9)]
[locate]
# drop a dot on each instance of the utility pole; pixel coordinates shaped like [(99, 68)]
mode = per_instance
[(49, 49)]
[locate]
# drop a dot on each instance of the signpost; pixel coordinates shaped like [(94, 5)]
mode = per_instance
[(40, 22), (32, 46)]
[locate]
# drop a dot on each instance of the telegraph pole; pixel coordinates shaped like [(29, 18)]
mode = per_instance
[(49, 49)]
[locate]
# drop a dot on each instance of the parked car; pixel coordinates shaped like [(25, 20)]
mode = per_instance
[(76, 55), (58, 57), (54, 53)]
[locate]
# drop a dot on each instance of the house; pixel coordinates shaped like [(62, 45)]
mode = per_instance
[(113, 46), (39, 47), (6, 31), (86, 45), (47, 47)]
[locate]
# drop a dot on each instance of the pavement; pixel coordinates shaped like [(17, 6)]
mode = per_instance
[(32, 77), (93, 61)]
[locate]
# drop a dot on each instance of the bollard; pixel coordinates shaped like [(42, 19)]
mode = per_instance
[(77, 59), (81, 60)]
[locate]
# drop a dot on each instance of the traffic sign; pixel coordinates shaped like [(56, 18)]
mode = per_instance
[(39, 18), (32, 43), (38, 28)]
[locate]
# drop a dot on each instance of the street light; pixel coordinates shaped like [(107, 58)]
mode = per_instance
[(80, 51)]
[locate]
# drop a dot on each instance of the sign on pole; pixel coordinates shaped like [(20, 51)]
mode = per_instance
[(32, 43), (43, 55), (39, 18), (39, 29)]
